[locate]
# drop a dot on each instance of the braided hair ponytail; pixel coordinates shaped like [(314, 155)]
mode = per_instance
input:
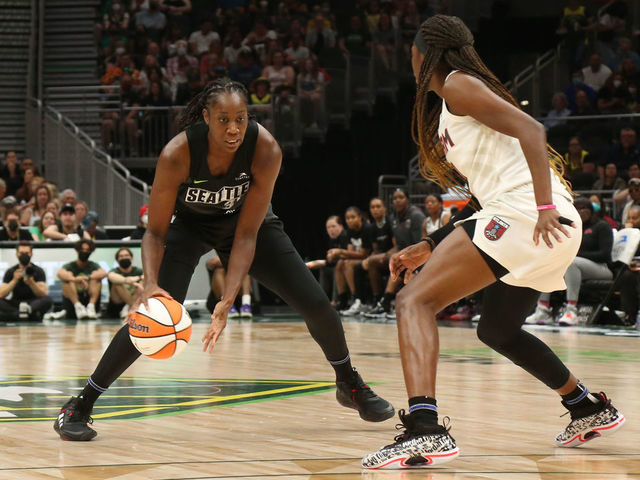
[(207, 98), (447, 39)]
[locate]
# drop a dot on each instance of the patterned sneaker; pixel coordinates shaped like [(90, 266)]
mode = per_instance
[(245, 311), (72, 421), (357, 395), (586, 424), (569, 318), (233, 312), (377, 312), (353, 310), (541, 316), (420, 445)]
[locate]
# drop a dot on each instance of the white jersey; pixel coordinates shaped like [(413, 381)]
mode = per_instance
[(498, 176), (492, 162)]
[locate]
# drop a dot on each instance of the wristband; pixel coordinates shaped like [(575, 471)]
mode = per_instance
[(550, 206), (430, 241)]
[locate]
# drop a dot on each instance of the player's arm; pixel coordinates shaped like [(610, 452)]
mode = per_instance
[(265, 168), (172, 170), (500, 115)]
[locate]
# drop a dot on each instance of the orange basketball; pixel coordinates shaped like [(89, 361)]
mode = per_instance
[(161, 331)]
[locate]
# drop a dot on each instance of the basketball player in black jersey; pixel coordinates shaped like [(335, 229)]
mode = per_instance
[(217, 178)]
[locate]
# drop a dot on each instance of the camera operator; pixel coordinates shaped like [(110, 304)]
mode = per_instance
[(12, 230), (28, 285)]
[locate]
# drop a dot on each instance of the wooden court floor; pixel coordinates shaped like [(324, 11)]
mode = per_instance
[(262, 406)]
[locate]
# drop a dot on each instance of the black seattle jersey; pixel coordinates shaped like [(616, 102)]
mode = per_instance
[(206, 195)]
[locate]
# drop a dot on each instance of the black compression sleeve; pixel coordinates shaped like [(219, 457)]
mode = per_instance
[(468, 210)]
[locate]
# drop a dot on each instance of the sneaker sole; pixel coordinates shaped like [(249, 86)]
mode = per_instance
[(379, 417), (602, 431), (399, 462), (246, 316)]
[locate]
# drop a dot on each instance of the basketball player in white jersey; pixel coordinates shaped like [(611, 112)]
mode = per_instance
[(517, 243)]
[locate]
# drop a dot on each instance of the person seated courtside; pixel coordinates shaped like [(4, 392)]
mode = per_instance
[(592, 262), (125, 281), (26, 283), (218, 274), (82, 283)]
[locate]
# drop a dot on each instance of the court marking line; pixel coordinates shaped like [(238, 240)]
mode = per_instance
[(179, 412), (324, 459)]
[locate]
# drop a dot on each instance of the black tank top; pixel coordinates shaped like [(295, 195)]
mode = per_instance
[(205, 195)]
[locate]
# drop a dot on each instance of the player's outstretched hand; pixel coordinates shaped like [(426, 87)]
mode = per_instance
[(408, 259), (218, 322), (143, 297), (550, 223)]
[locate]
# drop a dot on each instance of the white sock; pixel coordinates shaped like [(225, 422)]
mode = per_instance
[(246, 299)]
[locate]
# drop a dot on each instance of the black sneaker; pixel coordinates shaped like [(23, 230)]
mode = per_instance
[(379, 311), (72, 421), (357, 395), (420, 445)]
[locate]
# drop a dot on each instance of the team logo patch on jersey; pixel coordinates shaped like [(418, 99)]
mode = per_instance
[(495, 229)]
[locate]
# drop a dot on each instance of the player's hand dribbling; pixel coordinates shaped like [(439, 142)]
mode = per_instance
[(143, 297), (408, 259), (218, 322), (549, 222)]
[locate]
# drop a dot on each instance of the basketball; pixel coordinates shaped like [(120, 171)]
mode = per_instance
[(161, 331)]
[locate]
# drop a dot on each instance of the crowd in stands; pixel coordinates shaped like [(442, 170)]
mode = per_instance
[(32, 208), (602, 55), (163, 52)]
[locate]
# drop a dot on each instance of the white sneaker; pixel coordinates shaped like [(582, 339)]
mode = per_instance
[(91, 311), (353, 310), (124, 312), (24, 310), (55, 315), (541, 316), (570, 317), (81, 311)]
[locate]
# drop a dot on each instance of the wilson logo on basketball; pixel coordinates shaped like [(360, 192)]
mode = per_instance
[(140, 328)]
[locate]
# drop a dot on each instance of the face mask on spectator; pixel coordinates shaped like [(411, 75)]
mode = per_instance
[(13, 225), (144, 219), (182, 51), (24, 259), (125, 262), (83, 256), (617, 83), (596, 207)]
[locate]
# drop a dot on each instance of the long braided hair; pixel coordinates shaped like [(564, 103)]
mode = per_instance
[(208, 98), (448, 39)]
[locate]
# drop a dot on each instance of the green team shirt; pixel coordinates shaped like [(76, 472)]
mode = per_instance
[(135, 272), (79, 271)]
